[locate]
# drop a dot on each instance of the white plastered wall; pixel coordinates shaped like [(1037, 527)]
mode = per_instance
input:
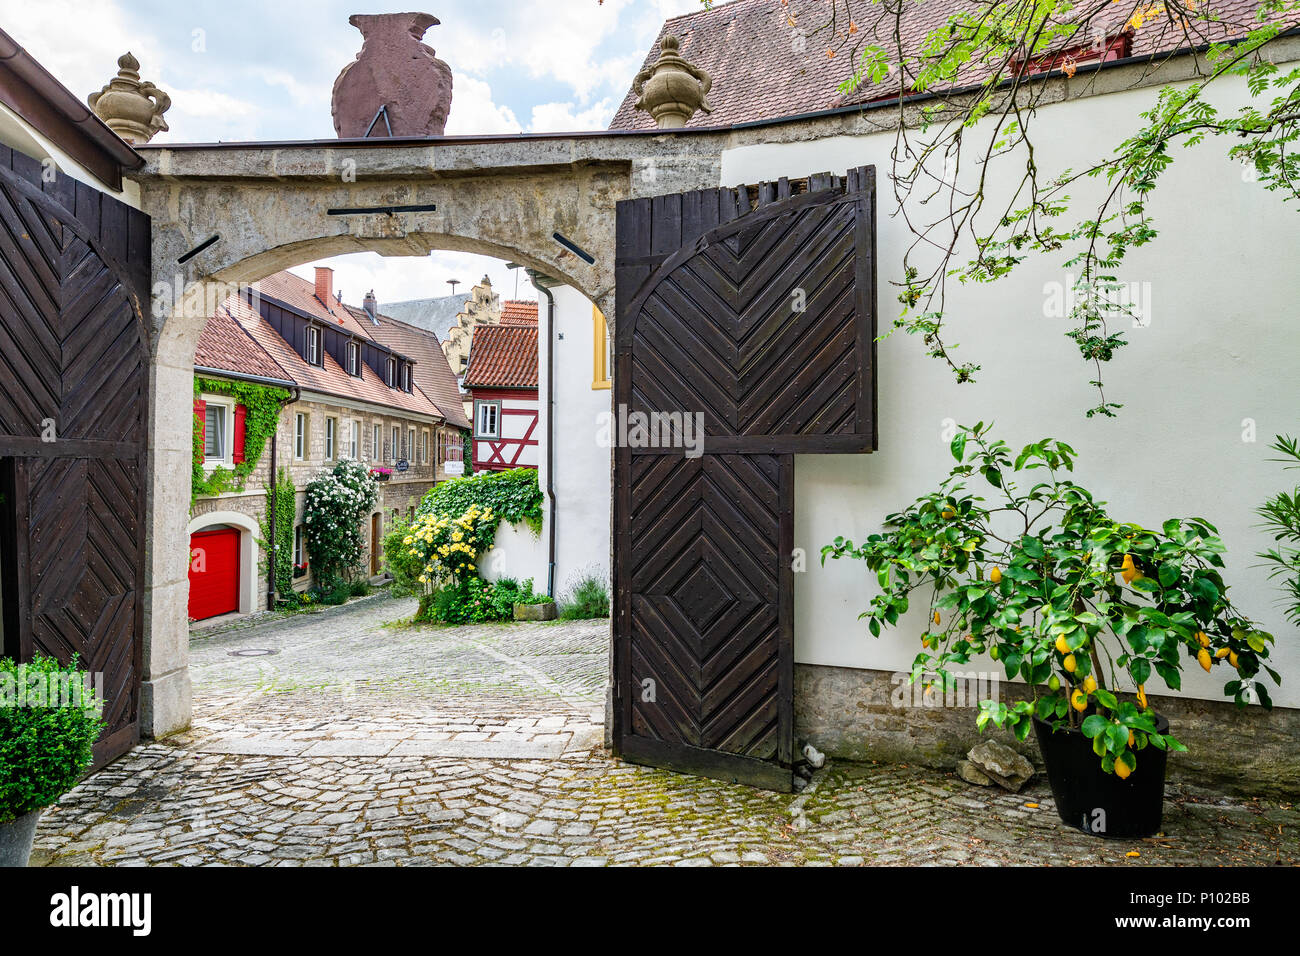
[(1218, 355)]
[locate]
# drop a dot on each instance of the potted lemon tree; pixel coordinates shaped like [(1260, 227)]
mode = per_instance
[(1085, 610), (49, 722)]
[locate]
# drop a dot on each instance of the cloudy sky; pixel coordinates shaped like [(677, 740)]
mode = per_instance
[(263, 69)]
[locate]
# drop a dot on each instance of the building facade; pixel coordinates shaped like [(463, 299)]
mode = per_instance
[(501, 378), (355, 384)]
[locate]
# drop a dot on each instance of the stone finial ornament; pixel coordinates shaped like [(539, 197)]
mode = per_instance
[(131, 109), (670, 89), (395, 86)]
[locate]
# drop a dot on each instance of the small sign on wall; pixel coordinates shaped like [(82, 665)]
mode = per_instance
[(454, 467), (403, 465)]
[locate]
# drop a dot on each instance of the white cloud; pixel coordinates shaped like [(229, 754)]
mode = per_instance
[(562, 118), (474, 112)]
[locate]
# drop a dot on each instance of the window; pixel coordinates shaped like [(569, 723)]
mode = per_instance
[(214, 433), (377, 449), (299, 436), (392, 372), (410, 443), (354, 441), (313, 345), (354, 359), (331, 428), (297, 546), (487, 420), (424, 447), (438, 443), (599, 350), (406, 377), (397, 443)]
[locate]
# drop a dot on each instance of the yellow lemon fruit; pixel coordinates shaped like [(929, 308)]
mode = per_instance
[(1079, 700), (1127, 571), (948, 514), (1122, 770), (1061, 646), (1070, 663), (1142, 697), (996, 575), (1202, 639), (1232, 659), (1204, 657), (1131, 740), (1089, 684), (1223, 652), (936, 617)]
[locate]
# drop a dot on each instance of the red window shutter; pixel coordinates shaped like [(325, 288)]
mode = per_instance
[(237, 446), (200, 428)]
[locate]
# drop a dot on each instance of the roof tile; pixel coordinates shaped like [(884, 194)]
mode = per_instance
[(502, 356)]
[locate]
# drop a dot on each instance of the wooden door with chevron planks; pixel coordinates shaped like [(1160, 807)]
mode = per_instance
[(745, 316), (74, 277)]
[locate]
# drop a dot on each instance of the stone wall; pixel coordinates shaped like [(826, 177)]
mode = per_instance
[(851, 714)]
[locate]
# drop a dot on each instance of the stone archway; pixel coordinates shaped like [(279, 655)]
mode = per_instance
[(229, 215), (248, 534)]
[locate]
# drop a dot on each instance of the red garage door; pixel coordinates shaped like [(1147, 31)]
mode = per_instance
[(214, 573)]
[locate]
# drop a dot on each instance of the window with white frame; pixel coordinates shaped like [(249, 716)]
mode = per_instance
[(424, 447), (406, 378), (487, 421), (410, 443), (397, 443), (354, 441), (300, 436), (297, 546), (217, 418), (392, 372), (331, 430), (313, 346), (354, 359), (377, 449)]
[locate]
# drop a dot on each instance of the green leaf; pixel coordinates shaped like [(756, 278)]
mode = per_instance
[(1094, 724)]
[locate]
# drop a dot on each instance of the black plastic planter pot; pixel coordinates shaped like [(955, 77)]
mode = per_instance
[(1097, 802)]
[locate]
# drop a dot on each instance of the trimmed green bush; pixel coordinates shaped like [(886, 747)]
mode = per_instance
[(49, 722), (512, 496), (588, 599)]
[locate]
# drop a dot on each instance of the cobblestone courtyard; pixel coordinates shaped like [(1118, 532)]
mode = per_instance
[(358, 743)]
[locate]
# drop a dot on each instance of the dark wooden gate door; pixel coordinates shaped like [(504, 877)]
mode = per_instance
[(752, 312), (74, 278)]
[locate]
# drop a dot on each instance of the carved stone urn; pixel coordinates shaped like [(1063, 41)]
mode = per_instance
[(670, 89), (395, 86), (132, 109)]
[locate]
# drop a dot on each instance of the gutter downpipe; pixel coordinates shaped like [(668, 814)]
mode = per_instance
[(542, 284)]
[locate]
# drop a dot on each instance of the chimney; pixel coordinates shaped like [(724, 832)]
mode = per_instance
[(324, 284), (371, 305)]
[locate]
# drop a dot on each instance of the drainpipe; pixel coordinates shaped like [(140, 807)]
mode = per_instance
[(295, 393), (542, 284)]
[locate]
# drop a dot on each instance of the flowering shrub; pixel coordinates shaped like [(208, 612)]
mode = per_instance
[(337, 502), (447, 549)]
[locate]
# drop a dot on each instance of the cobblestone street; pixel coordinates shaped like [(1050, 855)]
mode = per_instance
[(358, 743)]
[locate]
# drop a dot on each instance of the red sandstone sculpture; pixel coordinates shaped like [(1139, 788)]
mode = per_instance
[(394, 72)]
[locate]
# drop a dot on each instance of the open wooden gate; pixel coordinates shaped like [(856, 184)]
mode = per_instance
[(74, 278), (753, 311)]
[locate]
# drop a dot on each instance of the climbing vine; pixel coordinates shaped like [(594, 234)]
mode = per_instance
[(262, 404), (281, 498)]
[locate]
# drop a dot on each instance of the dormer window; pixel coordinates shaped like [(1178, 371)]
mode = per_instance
[(313, 350), (392, 372), (406, 378), (354, 359)]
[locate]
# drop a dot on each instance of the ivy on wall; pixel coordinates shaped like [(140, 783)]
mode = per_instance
[(282, 498), (468, 454), (262, 404)]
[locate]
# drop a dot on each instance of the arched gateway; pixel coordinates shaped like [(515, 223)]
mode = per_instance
[(578, 209)]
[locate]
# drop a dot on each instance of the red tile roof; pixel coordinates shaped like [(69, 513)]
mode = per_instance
[(226, 346), (432, 373), (220, 348), (751, 49), (519, 312), (502, 356)]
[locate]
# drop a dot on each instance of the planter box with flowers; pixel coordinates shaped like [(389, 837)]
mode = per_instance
[(380, 473), (49, 722), (1075, 604)]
